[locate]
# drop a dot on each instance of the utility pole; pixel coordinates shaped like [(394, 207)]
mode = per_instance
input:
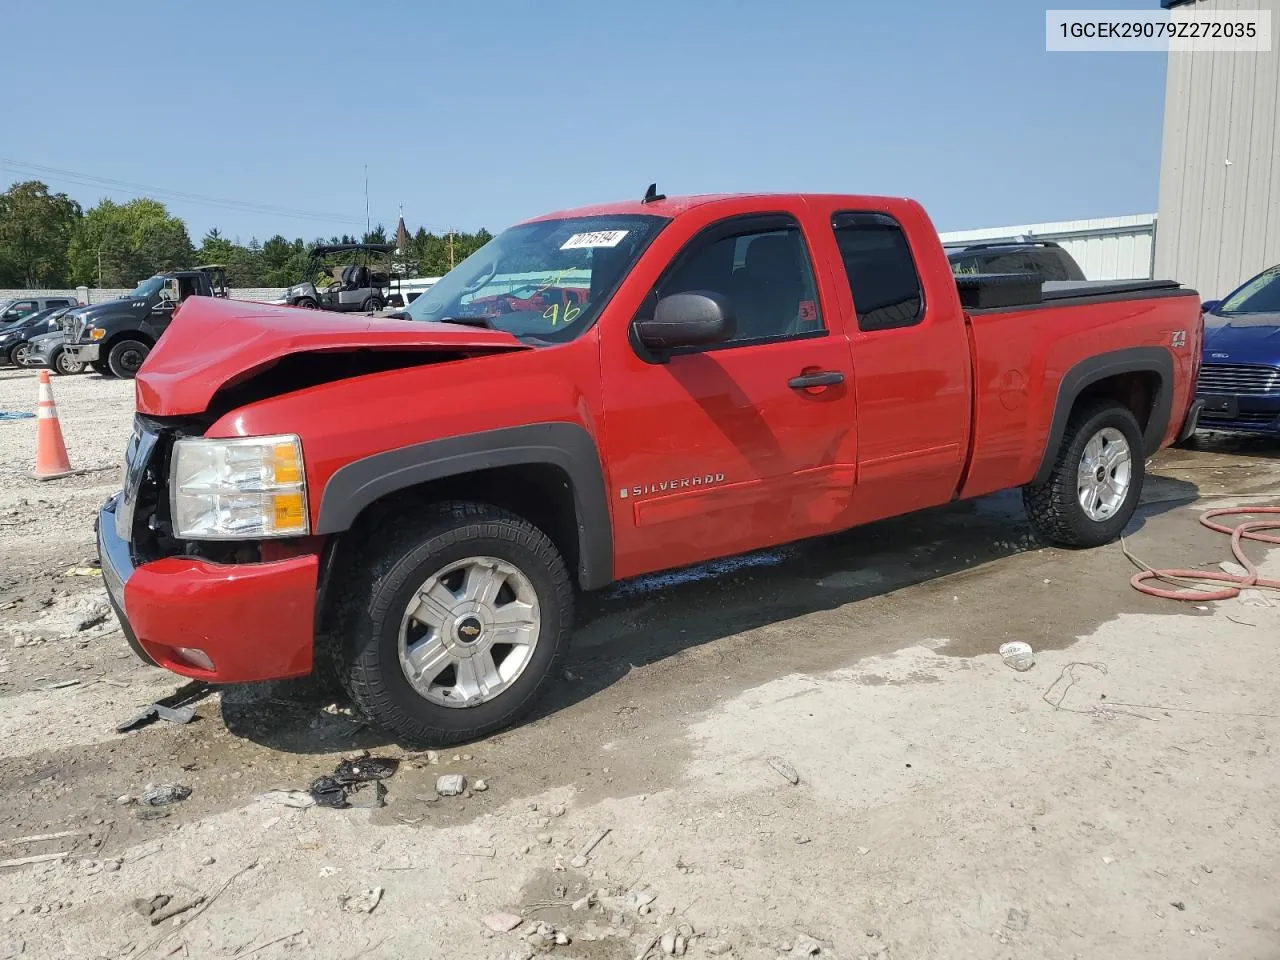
[(99, 266), (451, 248)]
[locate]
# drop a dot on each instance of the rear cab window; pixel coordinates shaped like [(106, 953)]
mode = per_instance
[(881, 271)]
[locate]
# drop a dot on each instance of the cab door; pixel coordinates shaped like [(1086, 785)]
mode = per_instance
[(168, 298), (911, 359), (725, 448)]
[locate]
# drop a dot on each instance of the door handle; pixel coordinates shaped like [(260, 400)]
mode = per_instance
[(819, 378)]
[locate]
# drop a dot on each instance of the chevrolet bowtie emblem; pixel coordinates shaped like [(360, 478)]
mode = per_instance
[(471, 631)]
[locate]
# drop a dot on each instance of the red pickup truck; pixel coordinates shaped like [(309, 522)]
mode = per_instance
[(594, 395)]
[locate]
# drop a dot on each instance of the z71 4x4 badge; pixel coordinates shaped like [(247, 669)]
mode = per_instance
[(1179, 338), (671, 486)]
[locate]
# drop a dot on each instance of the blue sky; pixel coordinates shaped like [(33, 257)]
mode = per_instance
[(480, 114)]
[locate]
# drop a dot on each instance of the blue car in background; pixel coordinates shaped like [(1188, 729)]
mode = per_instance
[(1240, 372)]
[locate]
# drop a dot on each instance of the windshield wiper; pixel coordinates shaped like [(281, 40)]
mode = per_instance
[(469, 321)]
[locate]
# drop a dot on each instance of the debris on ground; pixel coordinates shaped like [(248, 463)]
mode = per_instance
[(83, 572), (803, 947), (366, 901), (38, 858), (298, 799), (784, 770), (545, 935), (480, 786), (1018, 655), (718, 948), (502, 922), (148, 907), (1017, 919), (580, 860), (175, 708), (164, 794), (355, 783), (174, 909), (16, 415), (451, 784)]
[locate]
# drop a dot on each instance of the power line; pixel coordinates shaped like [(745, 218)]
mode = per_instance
[(241, 206)]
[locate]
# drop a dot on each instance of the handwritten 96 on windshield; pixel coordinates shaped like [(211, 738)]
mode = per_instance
[(1177, 30)]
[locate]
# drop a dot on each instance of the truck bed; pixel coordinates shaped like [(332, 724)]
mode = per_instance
[(986, 292)]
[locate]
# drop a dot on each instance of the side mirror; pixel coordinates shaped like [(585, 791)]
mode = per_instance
[(1210, 305), (687, 320)]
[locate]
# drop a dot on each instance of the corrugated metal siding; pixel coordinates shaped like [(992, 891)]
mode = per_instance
[(1220, 172), (1107, 248)]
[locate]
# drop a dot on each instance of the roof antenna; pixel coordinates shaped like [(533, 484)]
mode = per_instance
[(652, 195)]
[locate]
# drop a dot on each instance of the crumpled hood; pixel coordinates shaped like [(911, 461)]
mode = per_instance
[(214, 343), (1251, 338)]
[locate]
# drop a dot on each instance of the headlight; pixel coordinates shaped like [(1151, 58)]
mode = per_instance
[(239, 489)]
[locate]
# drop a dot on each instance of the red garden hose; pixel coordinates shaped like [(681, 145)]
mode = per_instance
[(1249, 530)]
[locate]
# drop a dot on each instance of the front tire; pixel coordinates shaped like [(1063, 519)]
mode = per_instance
[(100, 366), (63, 365), (1096, 481), (452, 624), (306, 303), (18, 355), (372, 305), (126, 357)]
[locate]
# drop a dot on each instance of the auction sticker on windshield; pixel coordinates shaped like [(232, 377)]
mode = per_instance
[(598, 238)]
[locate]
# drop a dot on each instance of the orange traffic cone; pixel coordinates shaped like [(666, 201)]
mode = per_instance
[(51, 451)]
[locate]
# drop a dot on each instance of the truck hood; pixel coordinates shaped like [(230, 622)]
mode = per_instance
[(98, 311), (1252, 338), (213, 345)]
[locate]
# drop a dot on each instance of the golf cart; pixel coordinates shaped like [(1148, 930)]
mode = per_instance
[(354, 285)]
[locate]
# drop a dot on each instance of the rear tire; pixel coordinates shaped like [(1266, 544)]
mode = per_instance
[(62, 364), (306, 303), (384, 632), (126, 358), (18, 354), (100, 366), (372, 305), (1087, 502)]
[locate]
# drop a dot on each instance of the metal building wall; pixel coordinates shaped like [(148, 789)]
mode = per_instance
[(1107, 248), (1220, 166)]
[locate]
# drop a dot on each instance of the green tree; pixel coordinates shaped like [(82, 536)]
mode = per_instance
[(35, 230), (119, 244)]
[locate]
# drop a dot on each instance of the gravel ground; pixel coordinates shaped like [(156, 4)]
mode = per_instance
[(1118, 799)]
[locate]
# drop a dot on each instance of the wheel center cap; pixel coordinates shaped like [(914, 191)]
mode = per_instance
[(469, 630), (1101, 474)]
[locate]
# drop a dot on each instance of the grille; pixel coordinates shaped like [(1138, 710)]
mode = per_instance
[(1239, 378), (74, 327)]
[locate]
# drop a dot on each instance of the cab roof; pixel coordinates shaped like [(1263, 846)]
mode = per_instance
[(672, 207)]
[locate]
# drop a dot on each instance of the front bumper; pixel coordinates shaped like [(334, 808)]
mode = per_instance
[(38, 355), (254, 621), (1246, 413), (83, 352)]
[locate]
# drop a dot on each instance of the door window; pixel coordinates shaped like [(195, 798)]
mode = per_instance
[(762, 268), (881, 271), (20, 308)]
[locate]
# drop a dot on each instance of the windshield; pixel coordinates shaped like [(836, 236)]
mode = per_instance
[(147, 288), (1259, 295), (545, 280)]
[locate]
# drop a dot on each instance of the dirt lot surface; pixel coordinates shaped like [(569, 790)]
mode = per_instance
[(1120, 799)]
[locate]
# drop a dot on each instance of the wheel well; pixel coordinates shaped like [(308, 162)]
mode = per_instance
[(539, 492), (1136, 390)]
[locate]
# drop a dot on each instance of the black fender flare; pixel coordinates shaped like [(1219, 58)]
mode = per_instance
[(1089, 371), (567, 446)]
